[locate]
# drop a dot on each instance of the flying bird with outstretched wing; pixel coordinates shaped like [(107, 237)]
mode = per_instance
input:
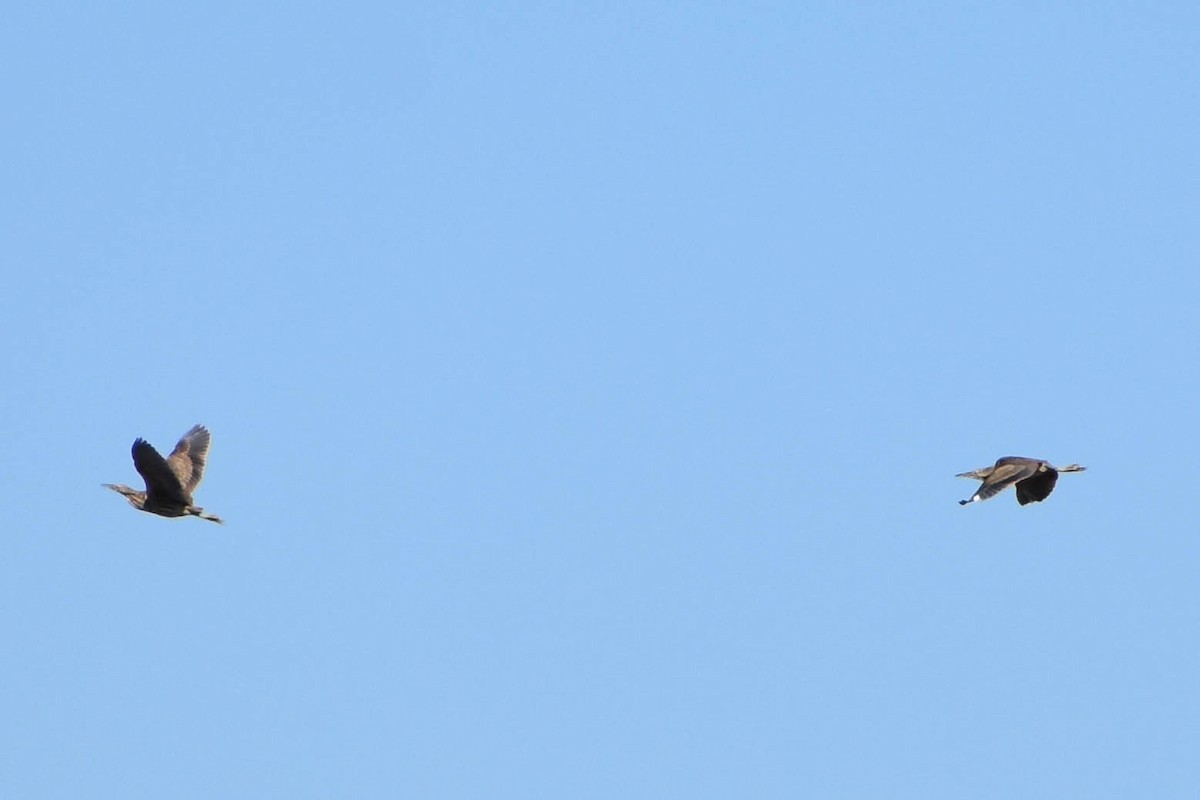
[(1033, 477), (170, 481)]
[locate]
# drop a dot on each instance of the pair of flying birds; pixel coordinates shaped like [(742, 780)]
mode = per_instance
[(170, 481)]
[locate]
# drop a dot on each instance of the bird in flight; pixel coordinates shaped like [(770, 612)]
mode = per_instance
[(170, 481), (1033, 478)]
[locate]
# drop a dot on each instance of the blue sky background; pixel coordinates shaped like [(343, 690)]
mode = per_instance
[(587, 384)]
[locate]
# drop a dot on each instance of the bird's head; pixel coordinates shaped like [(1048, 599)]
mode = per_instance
[(136, 499)]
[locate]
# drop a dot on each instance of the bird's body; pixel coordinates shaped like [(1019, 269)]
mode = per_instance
[(170, 481), (1033, 477)]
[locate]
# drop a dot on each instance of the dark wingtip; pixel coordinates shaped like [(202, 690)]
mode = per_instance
[(963, 502)]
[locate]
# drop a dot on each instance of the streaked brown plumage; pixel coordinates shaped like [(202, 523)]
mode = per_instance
[(1033, 478), (170, 481)]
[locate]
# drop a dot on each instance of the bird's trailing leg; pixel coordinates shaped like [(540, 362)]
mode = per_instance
[(202, 514)]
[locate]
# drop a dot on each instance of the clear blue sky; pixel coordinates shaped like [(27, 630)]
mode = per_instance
[(587, 384)]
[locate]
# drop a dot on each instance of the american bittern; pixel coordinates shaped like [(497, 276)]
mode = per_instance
[(170, 481), (1033, 477)]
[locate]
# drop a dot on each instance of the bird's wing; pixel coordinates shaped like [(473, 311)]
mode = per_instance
[(161, 482), (1002, 477), (187, 459), (1037, 487), (976, 474)]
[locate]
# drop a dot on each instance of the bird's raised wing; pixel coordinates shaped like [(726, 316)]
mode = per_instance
[(187, 459), (1037, 487), (161, 482), (976, 474), (1002, 477)]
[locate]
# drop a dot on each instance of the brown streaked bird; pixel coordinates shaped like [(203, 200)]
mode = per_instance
[(170, 481), (1033, 478)]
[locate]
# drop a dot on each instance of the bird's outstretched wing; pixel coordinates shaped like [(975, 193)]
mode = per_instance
[(161, 482), (187, 459), (1037, 487), (1002, 477)]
